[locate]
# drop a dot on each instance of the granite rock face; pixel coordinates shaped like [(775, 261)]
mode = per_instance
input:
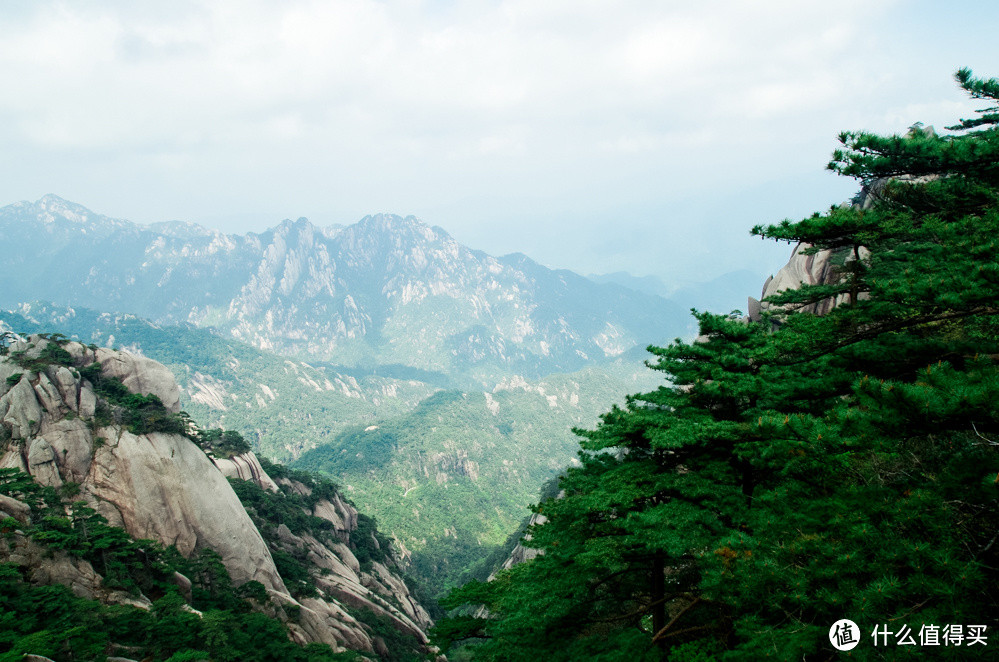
[(141, 375), (520, 553), (246, 467), (819, 268), (164, 487)]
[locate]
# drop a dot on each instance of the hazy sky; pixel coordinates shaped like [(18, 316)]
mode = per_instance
[(646, 136)]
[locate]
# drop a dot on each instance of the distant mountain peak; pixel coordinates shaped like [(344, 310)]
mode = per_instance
[(298, 225), (387, 289), (391, 221), (52, 203), (53, 199), (397, 227), (50, 209), (180, 229)]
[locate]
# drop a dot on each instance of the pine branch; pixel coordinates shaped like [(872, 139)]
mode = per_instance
[(989, 441), (662, 633)]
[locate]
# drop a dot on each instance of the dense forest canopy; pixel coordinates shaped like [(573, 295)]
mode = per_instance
[(803, 468)]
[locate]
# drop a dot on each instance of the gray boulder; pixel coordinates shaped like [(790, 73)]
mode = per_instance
[(141, 375)]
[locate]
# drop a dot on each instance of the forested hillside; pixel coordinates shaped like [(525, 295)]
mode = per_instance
[(450, 479), (799, 468)]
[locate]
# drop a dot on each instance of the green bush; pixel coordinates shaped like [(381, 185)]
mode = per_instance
[(51, 354), (141, 414), (222, 443)]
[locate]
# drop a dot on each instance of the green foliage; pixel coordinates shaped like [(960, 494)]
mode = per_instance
[(6, 338), (270, 510), (482, 568), (19, 485), (401, 647), (141, 414), (319, 487), (368, 544), (451, 512), (78, 530), (14, 379), (223, 443), (51, 354), (357, 450), (292, 508), (190, 656), (800, 470), (284, 507)]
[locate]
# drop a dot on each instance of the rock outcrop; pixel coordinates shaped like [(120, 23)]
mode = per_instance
[(141, 375), (246, 466), (162, 486), (520, 553), (47, 567), (818, 268)]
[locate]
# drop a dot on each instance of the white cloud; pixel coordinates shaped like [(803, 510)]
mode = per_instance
[(470, 113)]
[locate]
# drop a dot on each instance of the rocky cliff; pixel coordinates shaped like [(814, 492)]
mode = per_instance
[(58, 427)]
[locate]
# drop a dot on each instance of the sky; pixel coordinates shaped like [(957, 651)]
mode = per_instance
[(646, 136)]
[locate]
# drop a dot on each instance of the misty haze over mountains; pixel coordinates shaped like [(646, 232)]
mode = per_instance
[(385, 290)]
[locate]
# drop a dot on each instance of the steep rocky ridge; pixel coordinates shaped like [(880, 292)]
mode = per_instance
[(384, 290), (56, 427)]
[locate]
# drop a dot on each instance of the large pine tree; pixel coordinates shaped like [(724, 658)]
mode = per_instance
[(803, 468)]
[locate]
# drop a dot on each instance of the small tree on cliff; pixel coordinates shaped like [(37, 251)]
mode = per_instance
[(803, 469)]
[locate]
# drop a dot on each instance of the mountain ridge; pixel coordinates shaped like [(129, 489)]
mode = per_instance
[(387, 289)]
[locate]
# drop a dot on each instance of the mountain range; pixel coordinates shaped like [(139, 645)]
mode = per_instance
[(385, 290), (447, 472)]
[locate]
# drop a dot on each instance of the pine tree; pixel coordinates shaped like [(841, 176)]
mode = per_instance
[(802, 469)]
